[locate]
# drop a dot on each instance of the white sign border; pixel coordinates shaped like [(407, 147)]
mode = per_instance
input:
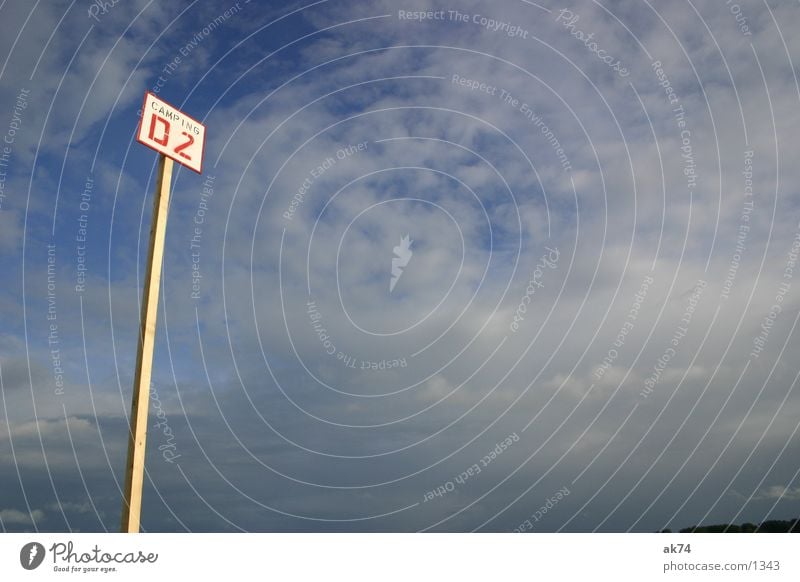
[(173, 158)]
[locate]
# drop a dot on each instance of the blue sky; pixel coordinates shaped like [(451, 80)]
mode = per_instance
[(603, 208)]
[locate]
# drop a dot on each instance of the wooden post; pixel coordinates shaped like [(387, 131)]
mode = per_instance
[(134, 469)]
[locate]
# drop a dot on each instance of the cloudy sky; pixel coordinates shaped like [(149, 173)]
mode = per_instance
[(460, 266)]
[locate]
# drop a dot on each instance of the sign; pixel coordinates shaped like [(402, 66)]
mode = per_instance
[(178, 138), (171, 132)]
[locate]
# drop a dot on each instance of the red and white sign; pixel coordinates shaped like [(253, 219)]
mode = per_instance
[(171, 132)]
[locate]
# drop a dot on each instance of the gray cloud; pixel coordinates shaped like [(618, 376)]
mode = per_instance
[(273, 432)]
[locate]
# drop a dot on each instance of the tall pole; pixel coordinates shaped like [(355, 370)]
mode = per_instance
[(134, 469)]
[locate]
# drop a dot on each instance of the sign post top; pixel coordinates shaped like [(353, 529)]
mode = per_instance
[(169, 131)]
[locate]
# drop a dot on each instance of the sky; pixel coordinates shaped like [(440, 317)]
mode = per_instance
[(461, 266)]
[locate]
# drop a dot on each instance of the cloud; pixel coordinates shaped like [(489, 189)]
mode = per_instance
[(16, 517), (290, 419), (10, 231), (778, 492)]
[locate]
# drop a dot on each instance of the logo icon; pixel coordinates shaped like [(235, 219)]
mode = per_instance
[(403, 254), (31, 555)]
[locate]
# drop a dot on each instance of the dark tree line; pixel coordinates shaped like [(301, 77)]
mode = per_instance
[(771, 526)]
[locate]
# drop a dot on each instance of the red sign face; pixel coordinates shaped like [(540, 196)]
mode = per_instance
[(171, 132)]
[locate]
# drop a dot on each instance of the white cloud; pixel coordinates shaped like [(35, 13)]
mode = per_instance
[(16, 517), (616, 227)]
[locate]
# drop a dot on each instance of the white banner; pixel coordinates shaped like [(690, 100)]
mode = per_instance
[(401, 557)]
